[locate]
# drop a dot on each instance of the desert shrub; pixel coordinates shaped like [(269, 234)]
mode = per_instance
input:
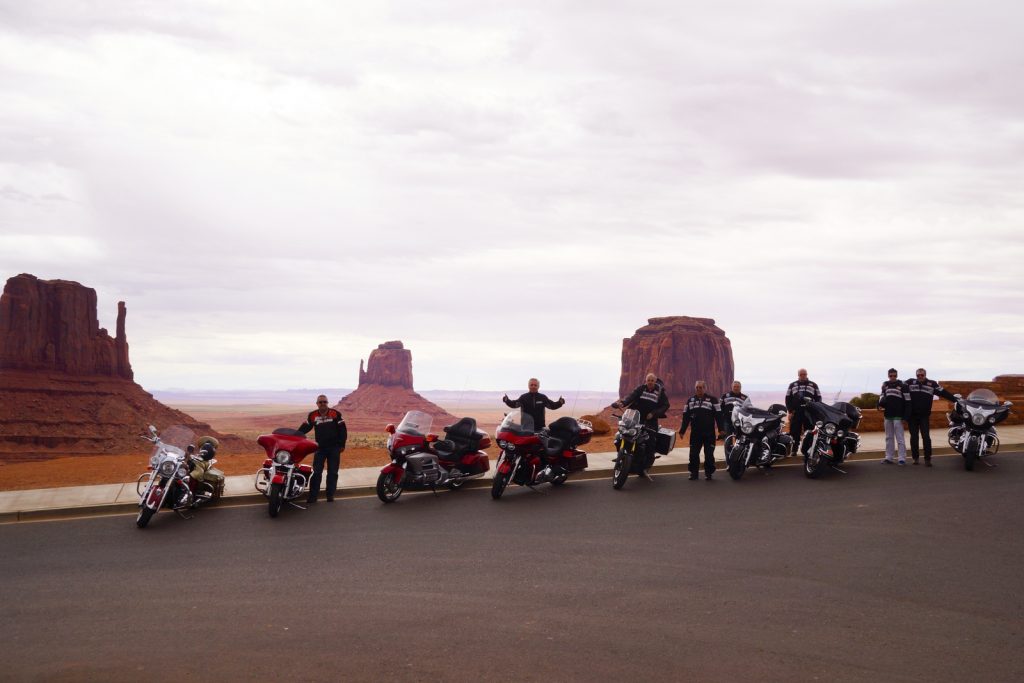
[(865, 400)]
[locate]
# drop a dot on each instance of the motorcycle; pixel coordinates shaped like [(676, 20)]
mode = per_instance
[(757, 438), (832, 440), (283, 476), (632, 441), (177, 478), (972, 425), (521, 448), (420, 461)]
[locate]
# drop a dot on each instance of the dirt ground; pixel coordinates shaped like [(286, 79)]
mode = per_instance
[(116, 469)]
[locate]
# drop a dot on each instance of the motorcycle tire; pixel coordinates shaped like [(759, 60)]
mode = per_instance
[(621, 471), (145, 514), (275, 499), (387, 489), (499, 484), (969, 459), (813, 469), (736, 469)]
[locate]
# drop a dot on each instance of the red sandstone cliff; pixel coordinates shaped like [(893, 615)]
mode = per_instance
[(385, 392), (680, 350), (65, 385)]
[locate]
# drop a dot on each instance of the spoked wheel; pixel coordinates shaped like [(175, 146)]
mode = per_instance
[(621, 471), (276, 498), (388, 487), (145, 514), (814, 464), (499, 484)]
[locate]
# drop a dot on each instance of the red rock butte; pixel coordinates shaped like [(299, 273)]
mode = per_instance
[(385, 392), (680, 350), (66, 386)]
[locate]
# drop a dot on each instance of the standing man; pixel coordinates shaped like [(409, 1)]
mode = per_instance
[(705, 413), (922, 392), (796, 393), (730, 400), (894, 400), (651, 401), (330, 433), (533, 403)]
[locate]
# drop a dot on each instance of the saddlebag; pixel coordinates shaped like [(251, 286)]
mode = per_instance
[(665, 440)]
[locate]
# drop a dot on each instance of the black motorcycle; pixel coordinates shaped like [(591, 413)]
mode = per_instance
[(757, 438), (634, 443), (832, 440), (972, 425)]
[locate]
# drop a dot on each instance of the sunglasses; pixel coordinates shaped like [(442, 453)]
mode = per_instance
[(920, 374), (321, 403)]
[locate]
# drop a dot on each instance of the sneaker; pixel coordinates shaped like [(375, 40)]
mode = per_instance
[(886, 461), (927, 463), (330, 499), (915, 461), (707, 477), (901, 463), (693, 476), (310, 501)]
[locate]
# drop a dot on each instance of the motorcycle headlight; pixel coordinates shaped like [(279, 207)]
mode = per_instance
[(283, 458), (839, 433), (992, 419), (167, 468), (182, 471), (502, 443), (978, 419), (830, 429), (760, 428), (818, 424), (509, 446), (748, 428)]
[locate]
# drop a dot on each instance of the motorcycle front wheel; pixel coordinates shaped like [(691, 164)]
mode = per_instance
[(388, 490), (621, 471), (970, 457), (275, 499), (737, 462), (145, 514), (814, 465), (499, 484)]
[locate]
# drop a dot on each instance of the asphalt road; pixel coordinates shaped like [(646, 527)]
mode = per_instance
[(884, 574)]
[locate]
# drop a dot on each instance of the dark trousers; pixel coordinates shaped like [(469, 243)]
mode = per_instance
[(332, 456), (919, 425), (702, 441), (796, 428)]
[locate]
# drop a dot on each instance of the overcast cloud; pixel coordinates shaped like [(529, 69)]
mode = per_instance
[(512, 188)]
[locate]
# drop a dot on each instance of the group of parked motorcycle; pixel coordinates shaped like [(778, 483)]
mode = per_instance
[(181, 474)]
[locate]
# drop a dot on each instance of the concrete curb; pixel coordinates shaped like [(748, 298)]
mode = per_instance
[(109, 509)]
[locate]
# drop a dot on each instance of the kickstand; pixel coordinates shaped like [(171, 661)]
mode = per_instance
[(988, 464), (434, 490), (535, 490), (838, 470), (296, 505)]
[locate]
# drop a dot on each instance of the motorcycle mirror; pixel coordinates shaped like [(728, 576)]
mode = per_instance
[(390, 429), (1008, 403), (957, 396), (152, 430), (191, 449)]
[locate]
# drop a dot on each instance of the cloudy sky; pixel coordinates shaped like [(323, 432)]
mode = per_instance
[(512, 188)]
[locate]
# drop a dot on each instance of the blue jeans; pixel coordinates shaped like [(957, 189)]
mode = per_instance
[(332, 456)]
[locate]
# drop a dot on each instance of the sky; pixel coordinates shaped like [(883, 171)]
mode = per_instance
[(513, 188)]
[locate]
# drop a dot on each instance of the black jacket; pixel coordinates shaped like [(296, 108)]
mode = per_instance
[(922, 393), (647, 401), (894, 397), (729, 401), (329, 430), (705, 413), (799, 390), (534, 405)]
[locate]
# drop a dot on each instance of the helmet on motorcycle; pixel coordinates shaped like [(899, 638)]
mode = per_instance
[(208, 447)]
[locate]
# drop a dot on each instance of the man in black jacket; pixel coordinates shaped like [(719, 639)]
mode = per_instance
[(894, 399), (922, 393), (796, 393), (330, 433), (651, 401), (704, 412), (533, 403), (730, 400)]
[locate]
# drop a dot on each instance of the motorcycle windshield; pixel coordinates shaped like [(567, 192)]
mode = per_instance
[(630, 419), (178, 437), (517, 421), (983, 396), (415, 423)]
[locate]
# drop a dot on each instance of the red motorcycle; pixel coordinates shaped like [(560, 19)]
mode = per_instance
[(284, 477), (522, 446), (420, 461)]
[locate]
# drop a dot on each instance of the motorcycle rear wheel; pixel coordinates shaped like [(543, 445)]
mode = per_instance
[(388, 490), (275, 499), (499, 484), (621, 471), (145, 514)]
